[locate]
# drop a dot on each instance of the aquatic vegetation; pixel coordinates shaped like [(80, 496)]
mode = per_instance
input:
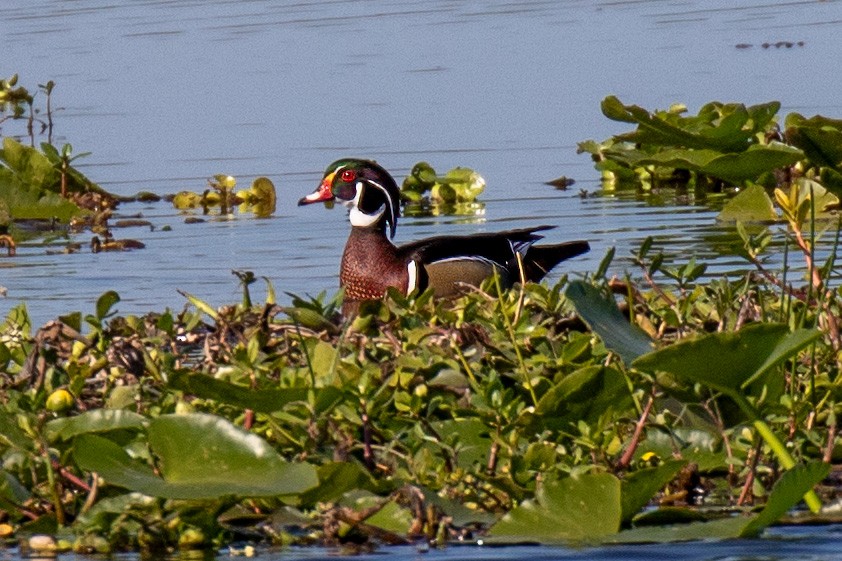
[(485, 415), (724, 143), (18, 104), (593, 411), (40, 184), (425, 193), (259, 198)]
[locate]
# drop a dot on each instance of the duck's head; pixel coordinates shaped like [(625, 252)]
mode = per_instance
[(366, 188)]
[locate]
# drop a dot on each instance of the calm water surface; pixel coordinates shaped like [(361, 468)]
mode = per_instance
[(167, 93)]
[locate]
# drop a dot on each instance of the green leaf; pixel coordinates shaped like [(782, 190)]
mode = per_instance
[(266, 400), (105, 303), (640, 486), (200, 457), (336, 479), (605, 319), (96, 420), (26, 199), (819, 137), (202, 306), (736, 168), (719, 127), (471, 437), (310, 318), (786, 493), (585, 394), (392, 518), (12, 434), (11, 489), (729, 362), (722, 529), (574, 509), (752, 204)]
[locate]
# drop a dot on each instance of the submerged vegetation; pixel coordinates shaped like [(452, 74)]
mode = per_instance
[(655, 407)]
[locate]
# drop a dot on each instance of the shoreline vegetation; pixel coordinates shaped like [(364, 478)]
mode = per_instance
[(661, 406)]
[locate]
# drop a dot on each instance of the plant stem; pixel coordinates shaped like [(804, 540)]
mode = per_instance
[(626, 459), (778, 447), (511, 331)]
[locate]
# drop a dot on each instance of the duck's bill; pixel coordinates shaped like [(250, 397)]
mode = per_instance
[(323, 193)]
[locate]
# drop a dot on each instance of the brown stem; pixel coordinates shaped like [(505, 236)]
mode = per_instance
[(754, 453), (626, 459), (658, 290), (70, 477), (816, 276)]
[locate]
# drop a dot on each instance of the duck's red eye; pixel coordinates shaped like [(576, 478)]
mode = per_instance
[(348, 175)]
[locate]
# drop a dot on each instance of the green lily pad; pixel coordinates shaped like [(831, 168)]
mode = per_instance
[(574, 509), (786, 493), (585, 395), (223, 460), (336, 479)]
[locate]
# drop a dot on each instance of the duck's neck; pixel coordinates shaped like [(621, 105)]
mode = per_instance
[(370, 265)]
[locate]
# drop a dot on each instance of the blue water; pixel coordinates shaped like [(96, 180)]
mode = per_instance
[(167, 93), (787, 543)]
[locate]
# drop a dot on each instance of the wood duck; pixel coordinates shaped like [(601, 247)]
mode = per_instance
[(371, 263)]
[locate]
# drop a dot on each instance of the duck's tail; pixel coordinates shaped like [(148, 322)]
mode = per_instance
[(540, 259)]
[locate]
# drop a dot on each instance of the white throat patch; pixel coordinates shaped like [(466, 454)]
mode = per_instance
[(358, 217)]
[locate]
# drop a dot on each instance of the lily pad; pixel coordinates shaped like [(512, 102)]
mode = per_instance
[(574, 509), (224, 460), (459, 185), (584, 395)]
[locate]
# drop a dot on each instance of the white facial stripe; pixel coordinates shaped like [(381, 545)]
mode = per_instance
[(360, 218), (385, 192)]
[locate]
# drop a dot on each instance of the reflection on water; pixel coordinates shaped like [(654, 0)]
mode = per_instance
[(166, 94)]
